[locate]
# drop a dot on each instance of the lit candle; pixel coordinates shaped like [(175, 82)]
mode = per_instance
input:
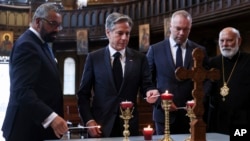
[(166, 96), (148, 132), (190, 103), (126, 104)]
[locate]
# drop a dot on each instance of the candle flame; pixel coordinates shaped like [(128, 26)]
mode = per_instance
[(148, 126), (166, 91)]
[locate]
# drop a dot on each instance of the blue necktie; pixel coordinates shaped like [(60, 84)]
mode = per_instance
[(179, 61), (50, 51), (117, 70)]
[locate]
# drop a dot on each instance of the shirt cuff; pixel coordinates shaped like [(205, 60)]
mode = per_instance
[(49, 119)]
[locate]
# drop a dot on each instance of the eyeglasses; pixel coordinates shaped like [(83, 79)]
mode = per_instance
[(53, 24)]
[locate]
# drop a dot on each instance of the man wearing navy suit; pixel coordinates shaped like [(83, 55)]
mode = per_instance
[(35, 108), (162, 58), (103, 106)]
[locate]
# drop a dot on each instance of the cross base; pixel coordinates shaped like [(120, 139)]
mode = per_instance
[(198, 130)]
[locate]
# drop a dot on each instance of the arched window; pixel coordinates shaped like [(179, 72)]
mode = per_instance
[(5, 89), (69, 76)]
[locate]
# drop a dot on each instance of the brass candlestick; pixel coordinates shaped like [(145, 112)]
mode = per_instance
[(166, 105), (191, 116), (126, 116)]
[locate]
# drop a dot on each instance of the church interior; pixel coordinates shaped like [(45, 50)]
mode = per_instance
[(209, 17)]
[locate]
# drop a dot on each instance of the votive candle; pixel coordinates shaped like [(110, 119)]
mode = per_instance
[(126, 104), (148, 132), (166, 96), (190, 103)]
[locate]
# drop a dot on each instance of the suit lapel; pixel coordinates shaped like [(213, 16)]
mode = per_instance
[(107, 62), (129, 64), (169, 55), (44, 49), (128, 67), (47, 53), (44, 52)]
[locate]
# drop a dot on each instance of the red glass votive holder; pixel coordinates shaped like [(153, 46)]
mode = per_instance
[(190, 103), (126, 104), (148, 133), (166, 96)]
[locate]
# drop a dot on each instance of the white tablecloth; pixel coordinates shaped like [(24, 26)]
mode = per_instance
[(177, 137)]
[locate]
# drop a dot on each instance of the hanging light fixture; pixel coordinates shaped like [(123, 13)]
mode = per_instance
[(82, 3)]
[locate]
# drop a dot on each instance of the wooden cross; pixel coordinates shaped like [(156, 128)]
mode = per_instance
[(198, 74)]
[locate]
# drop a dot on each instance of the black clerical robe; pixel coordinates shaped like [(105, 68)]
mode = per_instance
[(235, 109)]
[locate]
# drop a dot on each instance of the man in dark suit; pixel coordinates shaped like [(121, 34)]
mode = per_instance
[(162, 59), (103, 106), (35, 108)]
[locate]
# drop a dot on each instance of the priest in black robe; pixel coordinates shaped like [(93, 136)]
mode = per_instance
[(230, 96)]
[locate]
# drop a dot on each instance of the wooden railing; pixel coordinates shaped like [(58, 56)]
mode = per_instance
[(152, 12)]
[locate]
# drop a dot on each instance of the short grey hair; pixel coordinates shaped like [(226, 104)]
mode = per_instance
[(43, 10), (182, 13), (115, 18)]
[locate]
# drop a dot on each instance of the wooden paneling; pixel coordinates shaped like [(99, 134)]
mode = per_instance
[(70, 110)]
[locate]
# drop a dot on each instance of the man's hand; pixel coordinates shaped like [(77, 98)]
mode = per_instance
[(59, 125), (152, 96), (94, 132), (172, 107)]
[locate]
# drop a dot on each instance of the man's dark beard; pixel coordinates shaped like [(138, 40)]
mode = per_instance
[(47, 37)]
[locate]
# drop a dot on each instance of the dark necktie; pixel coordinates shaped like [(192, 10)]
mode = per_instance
[(179, 61), (117, 70)]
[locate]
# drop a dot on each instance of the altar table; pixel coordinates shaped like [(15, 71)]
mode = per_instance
[(176, 137)]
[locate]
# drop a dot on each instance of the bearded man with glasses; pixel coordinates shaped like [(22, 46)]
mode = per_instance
[(35, 106)]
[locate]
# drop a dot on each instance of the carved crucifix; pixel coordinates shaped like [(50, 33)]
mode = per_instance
[(198, 74)]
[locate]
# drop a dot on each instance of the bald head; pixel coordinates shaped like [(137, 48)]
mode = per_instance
[(230, 30), (229, 41)]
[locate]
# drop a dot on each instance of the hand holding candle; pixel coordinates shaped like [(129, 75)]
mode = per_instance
[(152, 96), (166, 96), (126, 104), (148, 132)]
